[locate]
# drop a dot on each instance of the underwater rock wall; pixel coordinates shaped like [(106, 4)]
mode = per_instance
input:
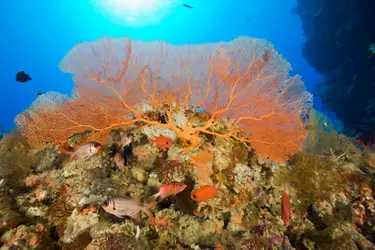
[(341, 46)]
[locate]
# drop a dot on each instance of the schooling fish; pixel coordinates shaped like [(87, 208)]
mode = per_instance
[(125, 206), (187, 6), (168, 189), (206, 192), (162, 142), (286, 212), (22, 77), (83, 151)]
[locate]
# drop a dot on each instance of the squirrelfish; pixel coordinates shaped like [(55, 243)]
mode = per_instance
[(286, 212), (168, 189), (120, 162), (206, 192), (162, 142), (83, 151), (125, 206), (126, 140)]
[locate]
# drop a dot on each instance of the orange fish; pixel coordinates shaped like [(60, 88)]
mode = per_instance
[(162, 142), (286, 212), (206, 192), (168, 189)]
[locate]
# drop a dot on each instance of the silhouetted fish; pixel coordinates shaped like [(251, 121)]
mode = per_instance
[(187, 6), (22, 77), (37, 93)]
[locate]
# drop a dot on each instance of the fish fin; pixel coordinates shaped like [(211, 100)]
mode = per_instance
[(286, 187), (72, 156), (151, 205), (138, 199), (75, 147), (162, 197), (68, 152), (146, 209), (155, 196), (137, 217), (219, 188), (86, 157), (64, 149)]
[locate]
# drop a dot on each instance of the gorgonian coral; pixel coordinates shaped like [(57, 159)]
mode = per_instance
[(244, 83)]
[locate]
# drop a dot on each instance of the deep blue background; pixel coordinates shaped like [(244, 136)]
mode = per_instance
[(35, 36)]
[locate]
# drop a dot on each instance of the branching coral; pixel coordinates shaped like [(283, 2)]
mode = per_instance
[(244, 80)]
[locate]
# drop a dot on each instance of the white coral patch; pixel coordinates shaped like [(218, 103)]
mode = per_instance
[(78, 223), (153, 131)]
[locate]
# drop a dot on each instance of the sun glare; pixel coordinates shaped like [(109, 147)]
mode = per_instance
[(136, 12)]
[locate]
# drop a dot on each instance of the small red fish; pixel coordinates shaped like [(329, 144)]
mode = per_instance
[(286, 212), (162, 142), (206, 192), (120, 162), (168, 189)]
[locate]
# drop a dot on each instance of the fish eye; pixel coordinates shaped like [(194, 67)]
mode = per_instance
[(194, 196), (105, 204)]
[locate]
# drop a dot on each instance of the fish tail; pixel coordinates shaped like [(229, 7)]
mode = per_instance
[(286, 187), (66, 151), (151, 140), (155, 196), (146, 209), (218, 186)]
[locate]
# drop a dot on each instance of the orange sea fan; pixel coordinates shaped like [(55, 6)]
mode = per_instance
[(244, 80)]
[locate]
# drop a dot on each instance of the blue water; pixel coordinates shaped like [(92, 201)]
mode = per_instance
[(35, 36)]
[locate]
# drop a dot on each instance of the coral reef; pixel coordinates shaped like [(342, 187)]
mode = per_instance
[(51, 201), (60, 207)]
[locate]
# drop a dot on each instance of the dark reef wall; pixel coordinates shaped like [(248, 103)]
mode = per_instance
[(339, 35)]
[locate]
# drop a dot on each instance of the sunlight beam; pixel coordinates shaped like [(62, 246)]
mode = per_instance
[(136, 12)]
